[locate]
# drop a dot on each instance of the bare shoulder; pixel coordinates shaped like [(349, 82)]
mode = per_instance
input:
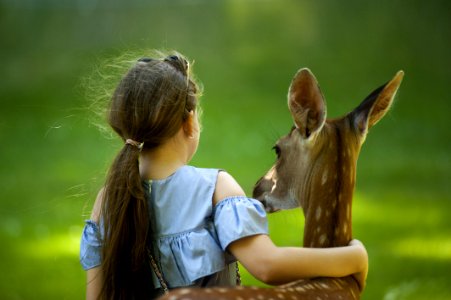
[(95, 214), (226, 186)]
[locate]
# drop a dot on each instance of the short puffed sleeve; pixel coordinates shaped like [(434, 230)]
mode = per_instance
[(90, 246), (239, 217)]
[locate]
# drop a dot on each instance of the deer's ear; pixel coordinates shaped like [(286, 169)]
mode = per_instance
[(306, 103), (376, 105)]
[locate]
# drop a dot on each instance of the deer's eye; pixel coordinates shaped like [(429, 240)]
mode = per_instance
[(277, 151)]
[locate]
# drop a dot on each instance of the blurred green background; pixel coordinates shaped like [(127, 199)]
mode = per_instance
[(53, 157)]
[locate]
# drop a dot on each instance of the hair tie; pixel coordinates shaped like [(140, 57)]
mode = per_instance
[(134, 143)]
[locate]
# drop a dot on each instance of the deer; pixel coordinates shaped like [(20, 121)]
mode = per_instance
[(315, 169)]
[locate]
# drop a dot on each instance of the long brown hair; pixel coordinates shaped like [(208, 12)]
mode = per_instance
[(149, 105)]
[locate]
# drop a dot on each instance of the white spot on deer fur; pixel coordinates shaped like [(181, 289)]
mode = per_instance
[(274, 186), (318, 298), (322, 239), (299, 289), (261, 297), (318, 229), (324, 177), (334, 204), (239, 298), (318, 213), (183, 291), (280, 296), (324, 286), (222, 290), (345, 228)]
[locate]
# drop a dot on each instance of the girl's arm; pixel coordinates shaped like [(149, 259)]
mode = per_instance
[(277, 265), (94, 283), (94, 275)]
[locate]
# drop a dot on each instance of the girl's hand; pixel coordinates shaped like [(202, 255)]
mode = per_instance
[(362, 275)]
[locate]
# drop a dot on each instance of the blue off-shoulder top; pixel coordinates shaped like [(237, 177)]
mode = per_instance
[(191, 236)]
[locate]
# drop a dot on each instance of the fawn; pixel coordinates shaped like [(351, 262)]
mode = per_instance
[(315, 169)]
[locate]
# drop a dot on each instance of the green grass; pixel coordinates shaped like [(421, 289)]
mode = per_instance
[(53, 158)]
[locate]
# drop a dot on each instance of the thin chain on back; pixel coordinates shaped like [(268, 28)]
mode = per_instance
[(160, 277)]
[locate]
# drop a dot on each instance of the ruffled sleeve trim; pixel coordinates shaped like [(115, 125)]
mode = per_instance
[(239, 217), (90, 246)]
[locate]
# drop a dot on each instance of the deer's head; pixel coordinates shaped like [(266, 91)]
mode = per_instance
[(317, 159)]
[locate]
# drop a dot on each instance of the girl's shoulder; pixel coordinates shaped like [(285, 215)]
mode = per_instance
[(226, 187), (95, 214)]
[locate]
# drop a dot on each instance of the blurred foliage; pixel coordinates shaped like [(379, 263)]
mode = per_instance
[(53, 157)]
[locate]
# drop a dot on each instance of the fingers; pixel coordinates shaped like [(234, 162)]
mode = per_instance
[(363, 263), (361, 280), (355, 242)]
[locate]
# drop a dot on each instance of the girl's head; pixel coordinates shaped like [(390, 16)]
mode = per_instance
[(153, 101)]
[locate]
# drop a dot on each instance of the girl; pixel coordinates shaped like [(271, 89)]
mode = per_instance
[(158, 221)]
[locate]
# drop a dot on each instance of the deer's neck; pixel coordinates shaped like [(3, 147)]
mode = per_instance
[(328, 209)]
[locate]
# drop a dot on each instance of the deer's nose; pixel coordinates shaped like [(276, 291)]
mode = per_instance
[(270, 209), (267, 204)]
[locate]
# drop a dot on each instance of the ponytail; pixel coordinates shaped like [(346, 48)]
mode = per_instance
[(149, 105), (126, 226)]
